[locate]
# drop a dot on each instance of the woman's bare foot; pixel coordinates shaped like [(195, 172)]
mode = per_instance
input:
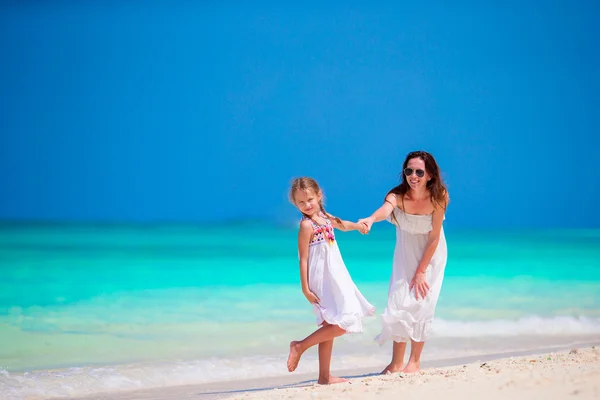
[(411, 368), (294, 356), (331, 380), (391, 369)]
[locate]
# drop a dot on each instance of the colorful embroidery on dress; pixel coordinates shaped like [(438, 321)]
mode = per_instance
[(329, 232), (321, 232)]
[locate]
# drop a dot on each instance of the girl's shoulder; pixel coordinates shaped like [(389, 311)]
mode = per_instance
[(305, 229), (305, 223)]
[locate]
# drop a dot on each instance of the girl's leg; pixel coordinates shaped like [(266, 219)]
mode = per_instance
[(325, 350), (323, 334), (414, 362), (397, 358)]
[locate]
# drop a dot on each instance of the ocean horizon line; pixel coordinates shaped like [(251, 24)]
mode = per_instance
[(247, 222)]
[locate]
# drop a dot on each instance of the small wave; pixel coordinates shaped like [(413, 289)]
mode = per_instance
[(533, 325)]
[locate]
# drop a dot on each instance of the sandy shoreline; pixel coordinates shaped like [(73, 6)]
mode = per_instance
[(559, 375), (549, 373)]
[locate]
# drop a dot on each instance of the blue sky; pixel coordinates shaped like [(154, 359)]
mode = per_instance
[(151, 111)]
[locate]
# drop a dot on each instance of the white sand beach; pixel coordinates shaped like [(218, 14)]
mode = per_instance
[(568, 373)]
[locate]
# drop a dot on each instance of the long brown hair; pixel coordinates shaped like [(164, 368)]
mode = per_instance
[(306, 183), (437, 188)]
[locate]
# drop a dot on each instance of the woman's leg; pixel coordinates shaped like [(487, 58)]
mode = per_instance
[(414, 361), (397, 358)]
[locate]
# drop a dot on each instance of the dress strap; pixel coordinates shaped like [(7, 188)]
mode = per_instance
[(313, 223)]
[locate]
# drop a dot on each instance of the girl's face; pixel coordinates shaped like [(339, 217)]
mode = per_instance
[(308, 201), (416, 175)]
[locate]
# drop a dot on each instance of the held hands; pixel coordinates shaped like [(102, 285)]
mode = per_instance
[(365, 225), (311, 297), (420, 284)]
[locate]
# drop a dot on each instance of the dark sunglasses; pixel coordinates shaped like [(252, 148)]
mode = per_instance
[(409, 171)]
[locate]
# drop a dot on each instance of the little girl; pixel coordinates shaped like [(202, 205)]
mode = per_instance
[(326, 283)]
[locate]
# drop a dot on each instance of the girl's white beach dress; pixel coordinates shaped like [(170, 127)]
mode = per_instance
[(340, 301)]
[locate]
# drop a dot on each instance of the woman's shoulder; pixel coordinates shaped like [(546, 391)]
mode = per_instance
[(393, 198), (442, 204)]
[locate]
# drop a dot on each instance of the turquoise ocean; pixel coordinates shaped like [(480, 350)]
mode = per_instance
[(90, 308)]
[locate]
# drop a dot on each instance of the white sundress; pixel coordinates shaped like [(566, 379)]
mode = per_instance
[(405, 317), (340, 301)]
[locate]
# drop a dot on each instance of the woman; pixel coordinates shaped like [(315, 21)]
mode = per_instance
[(417, 208)]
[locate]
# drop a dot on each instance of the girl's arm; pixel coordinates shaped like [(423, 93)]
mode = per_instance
[(346, 225), (304, 236), (419, 282)]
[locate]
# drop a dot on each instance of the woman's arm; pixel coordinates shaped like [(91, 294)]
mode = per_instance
[(419, 282), (304, 236), (432, 240), (382, 212)]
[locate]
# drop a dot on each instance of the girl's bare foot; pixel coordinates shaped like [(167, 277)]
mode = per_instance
[(294, 356), (331, 380), (391, 369), (411, 368)]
